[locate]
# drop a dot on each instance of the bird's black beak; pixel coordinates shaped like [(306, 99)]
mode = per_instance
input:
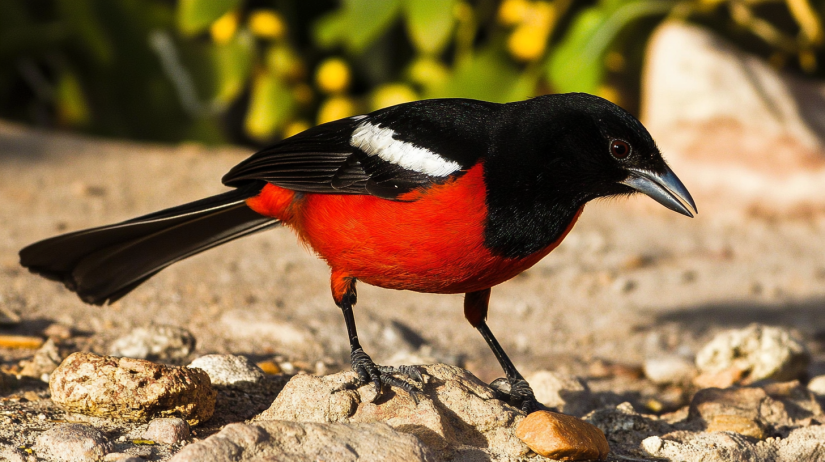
[(665, 188)]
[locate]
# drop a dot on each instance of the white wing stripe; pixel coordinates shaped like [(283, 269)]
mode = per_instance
[(378, 141)]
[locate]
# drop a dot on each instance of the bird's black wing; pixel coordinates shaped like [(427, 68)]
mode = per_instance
[(385, 153)]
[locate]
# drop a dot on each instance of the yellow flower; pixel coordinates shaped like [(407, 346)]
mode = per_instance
[(223, 29), (513, 12), (333, 75), (295, 127), (267, 24), (527, 42), (392, 94), (336, 107)]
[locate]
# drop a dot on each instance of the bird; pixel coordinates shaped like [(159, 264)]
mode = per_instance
[(448, 196)]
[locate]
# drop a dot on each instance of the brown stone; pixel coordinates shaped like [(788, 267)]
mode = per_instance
[(131, 389), (562, 437), (737, 424)]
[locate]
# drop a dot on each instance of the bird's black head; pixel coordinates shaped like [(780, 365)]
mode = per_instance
[(557, 152)]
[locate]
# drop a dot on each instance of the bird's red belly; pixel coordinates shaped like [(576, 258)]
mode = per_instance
[(434, 243)]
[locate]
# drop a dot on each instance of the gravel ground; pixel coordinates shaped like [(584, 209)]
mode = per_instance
[(632, 280)]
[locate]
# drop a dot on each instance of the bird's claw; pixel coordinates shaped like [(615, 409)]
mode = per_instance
[(368, 372), (518, 393)]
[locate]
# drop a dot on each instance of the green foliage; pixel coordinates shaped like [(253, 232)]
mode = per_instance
[(251, 71)]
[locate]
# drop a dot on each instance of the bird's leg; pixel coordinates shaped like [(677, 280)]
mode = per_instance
[(362, 364), (520, 393)]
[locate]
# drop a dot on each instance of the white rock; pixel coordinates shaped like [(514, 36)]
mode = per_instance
[(669, 369), (154, 342), (229, 370), (72, 442), (764, 352), (817, 385), (567, 393)]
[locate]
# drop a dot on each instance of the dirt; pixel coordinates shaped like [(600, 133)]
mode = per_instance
[(632, 280)]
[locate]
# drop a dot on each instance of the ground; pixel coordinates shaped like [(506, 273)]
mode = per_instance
[(632, 280)]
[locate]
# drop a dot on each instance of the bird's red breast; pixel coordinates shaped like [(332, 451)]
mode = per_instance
[(431, 241)]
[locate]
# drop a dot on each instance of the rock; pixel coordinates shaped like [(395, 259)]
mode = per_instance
[(72, 442), (625, 426), (10, 454), (817, 385), (43, 363), (457, 413), (244, 324), (562, 437), (566, 393), (298, 441), (773, 407), (731, 123), (170, 430), (122, 457), (58, 331), (229, 370), (761, 352), (736, 424), (801, 444), (669, 369), (131, 389), (720, 379), (155, 342)]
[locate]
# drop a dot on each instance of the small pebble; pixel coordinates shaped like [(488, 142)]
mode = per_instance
[(72, 442), (167, 431), (229, 370), (652, 444), (817, 385), (562, 437), (669, 369), (736, 424), (155, 342)]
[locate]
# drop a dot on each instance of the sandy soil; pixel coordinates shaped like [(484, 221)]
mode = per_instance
[(632, 279)]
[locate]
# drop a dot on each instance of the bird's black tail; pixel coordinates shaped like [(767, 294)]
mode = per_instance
[(104, 264)]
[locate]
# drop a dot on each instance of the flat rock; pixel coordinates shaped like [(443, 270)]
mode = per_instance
[(168, 430), (736, 424), (562, 437), (229, 370), (760, 352), (817, 385), (305, 441), (155, 342), (456, 414), (72, 442), (131, 389)]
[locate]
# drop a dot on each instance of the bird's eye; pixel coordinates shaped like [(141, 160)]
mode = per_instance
[(619, 149)]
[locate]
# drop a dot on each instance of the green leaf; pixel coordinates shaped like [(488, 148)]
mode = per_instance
[(488, 76), (429, 23), (577, 63), (271, 106), (233, 64), (357, 24), (196, 15)]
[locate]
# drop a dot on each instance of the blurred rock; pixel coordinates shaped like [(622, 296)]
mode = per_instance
[(244, 324), (719, 379), (131, 389), (667, 369), (58, 331), (730, 122), (625, 426), (567, 393), (8, 318), (562, 437), (155, 342), (72, 442), (229, 370), (170, 430), (122, 457), (736, 424), (801, 444), (760, 352), (303, 441), (817, 385), (456, 414), (43, 363)]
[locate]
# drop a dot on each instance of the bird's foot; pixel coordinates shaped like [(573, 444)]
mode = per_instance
[(368, 372), (518, 393)]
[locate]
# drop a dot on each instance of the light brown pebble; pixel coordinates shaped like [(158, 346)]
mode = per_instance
[(562, 437), (171, 430), (737, 424), (269, 367)]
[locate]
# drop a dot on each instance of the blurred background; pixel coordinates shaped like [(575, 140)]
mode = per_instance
[(254, 71)]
